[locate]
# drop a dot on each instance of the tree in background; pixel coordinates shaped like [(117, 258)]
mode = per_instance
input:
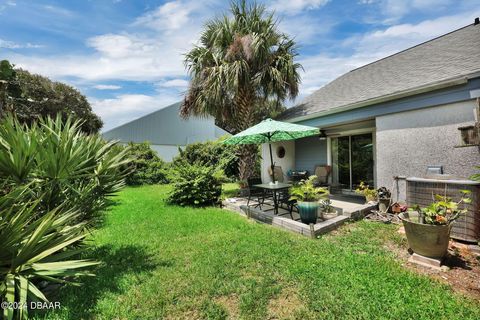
[(243, 63), (32, 96)]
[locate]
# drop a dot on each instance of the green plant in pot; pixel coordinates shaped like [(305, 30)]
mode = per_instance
[(308, 197), (365, 190), (384, 197), (428, 228)]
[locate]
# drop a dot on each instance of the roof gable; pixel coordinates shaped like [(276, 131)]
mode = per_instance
[(450, 56)]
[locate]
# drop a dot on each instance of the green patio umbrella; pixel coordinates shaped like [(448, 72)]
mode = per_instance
[(269, 131)]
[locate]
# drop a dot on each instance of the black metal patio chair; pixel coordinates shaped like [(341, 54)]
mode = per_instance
[(284, 199), (255, 194)]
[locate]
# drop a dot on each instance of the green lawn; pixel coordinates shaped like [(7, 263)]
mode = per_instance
[(163, 261)]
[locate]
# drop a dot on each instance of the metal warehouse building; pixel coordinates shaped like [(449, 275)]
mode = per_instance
[(166, 131)]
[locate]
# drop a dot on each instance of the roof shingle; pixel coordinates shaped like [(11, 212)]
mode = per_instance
[(447, 57)]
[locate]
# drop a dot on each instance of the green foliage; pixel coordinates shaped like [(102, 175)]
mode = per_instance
[(31, 97), (61, 164), (144, 166), (196, 184), (166, 262), (365, 190), (444, 210), (36, 248), (241, 72), (211, 153), (56, 182), (305, 190)]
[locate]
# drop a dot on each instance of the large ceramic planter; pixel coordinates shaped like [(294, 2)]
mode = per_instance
[(425, 239), (308, 211)]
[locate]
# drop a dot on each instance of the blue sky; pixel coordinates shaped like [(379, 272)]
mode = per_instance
[(126, 55)]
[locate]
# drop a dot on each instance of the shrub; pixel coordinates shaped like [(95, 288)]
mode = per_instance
[(36, 248), (196, 185), (56, 181), (211, 153), (56, 159), (145, 167)]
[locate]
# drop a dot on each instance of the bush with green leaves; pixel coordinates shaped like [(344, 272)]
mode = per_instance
[(61, 163), (211, 153), (55, 183), (145, 166), (36, 247), (196, 184)]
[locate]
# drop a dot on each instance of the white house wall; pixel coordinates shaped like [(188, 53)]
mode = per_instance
[(287, 162), (407, 142)]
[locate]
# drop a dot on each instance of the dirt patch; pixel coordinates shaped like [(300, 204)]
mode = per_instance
[(462, 271), (230, 303), (285, 305)]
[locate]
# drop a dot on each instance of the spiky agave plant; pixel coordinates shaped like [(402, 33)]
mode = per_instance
[(35, 247), (242, 62)]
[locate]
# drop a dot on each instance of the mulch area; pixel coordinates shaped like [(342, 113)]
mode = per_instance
[(461, 267)]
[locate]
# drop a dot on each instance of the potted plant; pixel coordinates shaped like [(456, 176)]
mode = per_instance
[(326, 208), (308, 197), (365, 190), (383, 196), (428, 229)]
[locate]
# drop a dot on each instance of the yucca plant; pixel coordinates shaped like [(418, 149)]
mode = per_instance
[(35, 248), (56, 181), (63, 164)]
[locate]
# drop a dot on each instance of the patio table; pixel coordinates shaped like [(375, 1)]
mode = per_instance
[(274, 188)]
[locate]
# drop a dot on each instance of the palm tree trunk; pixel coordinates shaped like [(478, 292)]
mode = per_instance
[(245, 119)]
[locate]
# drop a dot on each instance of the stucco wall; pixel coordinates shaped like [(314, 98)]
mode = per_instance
[(310, 152), (407, 142), (287, 162)]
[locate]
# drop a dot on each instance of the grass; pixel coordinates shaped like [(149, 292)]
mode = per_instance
[(163, 261)]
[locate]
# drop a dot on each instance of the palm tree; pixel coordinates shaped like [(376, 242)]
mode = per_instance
[(242, 63)]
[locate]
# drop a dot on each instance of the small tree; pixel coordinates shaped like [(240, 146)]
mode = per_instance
[(31, 97), (242, 63)]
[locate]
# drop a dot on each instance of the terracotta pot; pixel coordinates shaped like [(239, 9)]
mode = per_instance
[(425, 239), (308, 211)]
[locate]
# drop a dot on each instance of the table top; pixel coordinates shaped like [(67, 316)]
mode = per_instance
[(269, 186)]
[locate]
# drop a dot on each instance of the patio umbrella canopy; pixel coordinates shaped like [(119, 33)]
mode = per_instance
[(269, 131)]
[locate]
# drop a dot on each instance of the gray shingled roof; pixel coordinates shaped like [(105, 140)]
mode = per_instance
[(450, 56)]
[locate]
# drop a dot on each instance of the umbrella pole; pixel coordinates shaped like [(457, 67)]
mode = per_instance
[(272, 166)]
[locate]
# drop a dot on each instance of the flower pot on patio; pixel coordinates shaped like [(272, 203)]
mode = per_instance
[(308, 211), (308, 197), (384, 197), (428, 229), (427, 240)]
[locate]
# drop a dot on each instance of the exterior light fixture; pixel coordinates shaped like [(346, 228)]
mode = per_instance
[(322, 135)]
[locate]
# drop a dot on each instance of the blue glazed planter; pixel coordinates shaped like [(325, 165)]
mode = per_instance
[(308, 211)]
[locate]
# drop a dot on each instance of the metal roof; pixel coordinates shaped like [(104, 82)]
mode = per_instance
[(165, 127)]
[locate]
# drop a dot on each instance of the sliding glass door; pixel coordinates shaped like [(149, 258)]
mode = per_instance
[(352, 159)]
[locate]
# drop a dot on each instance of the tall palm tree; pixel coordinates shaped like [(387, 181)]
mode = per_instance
[(241, 64)]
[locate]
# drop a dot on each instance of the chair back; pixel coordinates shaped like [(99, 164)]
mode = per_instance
[(322, 172), (253, 181), (279, 176)]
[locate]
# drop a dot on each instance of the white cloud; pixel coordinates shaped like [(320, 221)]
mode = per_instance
[(13, 45), (170, 16), (175, 83), (107, 87), (127, 107), (292, 7), (394, 10)]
